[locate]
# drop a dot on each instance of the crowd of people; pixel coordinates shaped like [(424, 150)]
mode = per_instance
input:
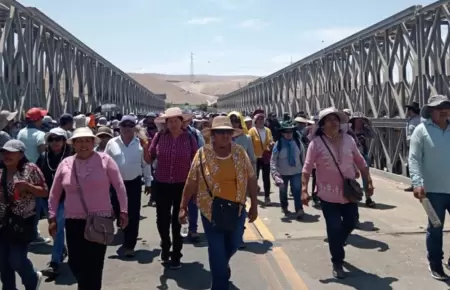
[(190, 165)]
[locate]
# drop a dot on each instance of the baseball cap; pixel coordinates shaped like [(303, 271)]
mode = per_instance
[(65, 119), (36, 114), (13, 146), (128, 118)]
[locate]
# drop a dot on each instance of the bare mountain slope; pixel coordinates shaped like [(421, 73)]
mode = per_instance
[(180, 89)]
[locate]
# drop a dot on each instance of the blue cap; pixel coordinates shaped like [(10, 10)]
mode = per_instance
[(128, 118)]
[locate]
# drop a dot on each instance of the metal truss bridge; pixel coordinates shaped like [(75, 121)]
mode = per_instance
[(376, 71), (43, 65)]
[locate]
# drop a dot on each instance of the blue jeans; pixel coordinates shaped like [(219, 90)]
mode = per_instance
[(221, 247), (296, 187), (14, 259), (441, 204), (41, 206), (193, 215), (340, 220), (58, 242)]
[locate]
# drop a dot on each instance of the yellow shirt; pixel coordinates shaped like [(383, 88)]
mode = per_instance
[(227, 178), (257, 146)]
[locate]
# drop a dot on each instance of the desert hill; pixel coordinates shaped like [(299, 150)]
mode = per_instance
[(180, 89)]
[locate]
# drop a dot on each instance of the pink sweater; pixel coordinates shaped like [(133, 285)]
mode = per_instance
[(95, 176), (330, 184)]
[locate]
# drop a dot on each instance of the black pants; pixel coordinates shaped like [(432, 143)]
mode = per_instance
[(265, 175), (115, 204), (168, 199), (131, 232), (86, 259), (314, 191)]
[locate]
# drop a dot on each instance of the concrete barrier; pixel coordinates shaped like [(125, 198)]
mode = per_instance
[(391, 176)]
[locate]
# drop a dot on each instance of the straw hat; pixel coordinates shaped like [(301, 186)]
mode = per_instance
[(359, 115), (172, 113), (343, 118), (221, 123), (83, 132), (103, 130)]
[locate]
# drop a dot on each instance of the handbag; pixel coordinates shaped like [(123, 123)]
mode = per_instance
[(266, 154), (98, 229), (352, 189), (18, 230), (225, 213)]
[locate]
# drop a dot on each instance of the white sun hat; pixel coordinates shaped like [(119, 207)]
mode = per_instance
[(83, 132)]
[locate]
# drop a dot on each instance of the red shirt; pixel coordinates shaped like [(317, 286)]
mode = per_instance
[(174, 156)]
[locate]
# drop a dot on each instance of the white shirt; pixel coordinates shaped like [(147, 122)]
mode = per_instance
[(129, 159)]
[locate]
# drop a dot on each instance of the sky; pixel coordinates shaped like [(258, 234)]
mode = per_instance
[(226, 37)]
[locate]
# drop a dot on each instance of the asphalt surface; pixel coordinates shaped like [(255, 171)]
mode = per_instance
[(388, 252)]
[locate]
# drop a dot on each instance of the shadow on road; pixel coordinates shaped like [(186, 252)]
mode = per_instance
[(307, 218), (258, 248), (142, 256), (359, 279), (190, 276), (379, 206), (65, 278), (366, 243), (367, 226), (43, 249)]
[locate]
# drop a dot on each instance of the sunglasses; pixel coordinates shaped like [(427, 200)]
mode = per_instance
[(55, 139)]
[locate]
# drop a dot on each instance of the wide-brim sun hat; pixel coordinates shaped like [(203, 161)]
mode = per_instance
[(303, 120), (343, 118), (104, 130), (6, 117), (433, 102), (56, 132), (172, 113), (83, 132), (286, 126), (221, 123), (360, 115)]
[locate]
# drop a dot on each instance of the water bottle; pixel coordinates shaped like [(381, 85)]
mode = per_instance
[(184, 230), (431, 213)]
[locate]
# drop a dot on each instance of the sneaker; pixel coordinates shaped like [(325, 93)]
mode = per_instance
[(300, 214), (65, 253), (164, 257), (267, 201), (51, 271), (39, 279), (338, 272), (285, 211), (129, 253), (437, 272), (175, 264), (40, 241), (370, 203)]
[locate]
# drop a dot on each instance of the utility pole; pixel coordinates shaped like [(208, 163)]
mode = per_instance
[(192, 67)]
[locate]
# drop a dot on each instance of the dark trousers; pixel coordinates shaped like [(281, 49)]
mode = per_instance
[(168, 199), (265, 168), (441, 204), (340, 220), (131, 232), (115, 204), (86, 259)]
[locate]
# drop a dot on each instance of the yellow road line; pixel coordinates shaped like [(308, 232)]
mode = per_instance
[(262, 229), (291, 275), (268, 273), (249, 234)]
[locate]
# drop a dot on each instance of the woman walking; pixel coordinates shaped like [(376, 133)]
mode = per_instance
[(335, 154), (21, 183), (220, 176), (82, 182)]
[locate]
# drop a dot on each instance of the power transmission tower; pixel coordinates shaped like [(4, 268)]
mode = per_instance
[(192, 67)]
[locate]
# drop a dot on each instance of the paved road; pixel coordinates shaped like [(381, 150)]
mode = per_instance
[(282, 254)]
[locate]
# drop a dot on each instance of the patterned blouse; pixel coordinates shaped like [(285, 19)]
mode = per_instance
[(243, 169), (25, 206)]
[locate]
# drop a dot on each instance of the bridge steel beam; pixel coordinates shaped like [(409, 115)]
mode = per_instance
[(43, 65), (377, 71)]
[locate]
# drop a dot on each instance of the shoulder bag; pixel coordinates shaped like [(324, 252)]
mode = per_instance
[(225, 213), (18, 230), (98, 229), (266, 154), (352, 189)]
